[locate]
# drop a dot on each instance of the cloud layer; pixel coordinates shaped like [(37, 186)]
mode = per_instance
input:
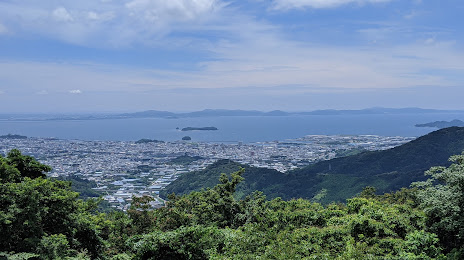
[(113, 55), (114, 23)]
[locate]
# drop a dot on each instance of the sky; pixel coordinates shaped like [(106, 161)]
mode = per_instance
[(185, 55)]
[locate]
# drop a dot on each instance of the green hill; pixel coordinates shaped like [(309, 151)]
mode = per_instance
[(340, 178), (83, 186), (255, 179)]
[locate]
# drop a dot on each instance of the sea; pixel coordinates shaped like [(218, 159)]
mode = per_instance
[(246, 129)]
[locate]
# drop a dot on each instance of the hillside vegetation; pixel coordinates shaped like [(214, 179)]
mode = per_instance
[(42, 218), (340, 178)]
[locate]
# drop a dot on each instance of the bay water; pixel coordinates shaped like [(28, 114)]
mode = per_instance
[(245, 129)]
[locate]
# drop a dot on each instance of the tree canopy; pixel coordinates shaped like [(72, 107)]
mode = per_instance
[(41, 218)]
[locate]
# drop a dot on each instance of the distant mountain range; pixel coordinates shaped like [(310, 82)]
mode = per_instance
[(223, 113), (339, 178)]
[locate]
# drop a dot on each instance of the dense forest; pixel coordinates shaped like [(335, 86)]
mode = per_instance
[(42, 218)]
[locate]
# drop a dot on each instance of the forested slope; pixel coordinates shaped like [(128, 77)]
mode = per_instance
[(339, 178)]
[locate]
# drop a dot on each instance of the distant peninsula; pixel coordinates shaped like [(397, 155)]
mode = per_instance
[(206, 128), (442, 124)]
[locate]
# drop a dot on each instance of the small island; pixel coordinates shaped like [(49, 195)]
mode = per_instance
[(144, 141), (207, 128), (11, 136), (442, 124), (186, 138)]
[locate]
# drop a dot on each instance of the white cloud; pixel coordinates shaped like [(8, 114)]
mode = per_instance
[(411, 15), (430, 40), (62, 15), (75, 91), (108, 23), (291, 4), (164, 11), (105, 16)]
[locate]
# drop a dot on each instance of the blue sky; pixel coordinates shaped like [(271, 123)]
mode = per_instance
[(184, 55)]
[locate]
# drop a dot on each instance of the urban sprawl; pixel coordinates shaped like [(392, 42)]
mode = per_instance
[(123, 169)]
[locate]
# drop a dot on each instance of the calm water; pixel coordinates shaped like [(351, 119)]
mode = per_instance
[(231, 129)]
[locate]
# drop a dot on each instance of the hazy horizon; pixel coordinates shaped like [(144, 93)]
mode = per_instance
[(190, 55), (117, 112)]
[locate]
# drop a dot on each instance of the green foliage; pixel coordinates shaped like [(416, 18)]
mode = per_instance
[(8, 173), (368, 227), (27, 165), (18, 256), (120, 229), (121, 257), (43, 215), (192, 242), (212, 206), (16, 166), (442, 199), (421, 245), (368, 192), (55, 246), (32, 208), (142, 217)]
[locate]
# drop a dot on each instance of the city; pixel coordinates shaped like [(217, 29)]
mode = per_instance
[(123, 169)]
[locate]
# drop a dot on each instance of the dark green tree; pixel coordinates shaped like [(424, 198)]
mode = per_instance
[(8, 173), (142, 215), (216, 206), (26, 165), (40, 215)]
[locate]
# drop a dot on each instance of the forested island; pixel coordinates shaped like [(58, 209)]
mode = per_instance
[(145, 140), (13, 136), (206, 128)]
